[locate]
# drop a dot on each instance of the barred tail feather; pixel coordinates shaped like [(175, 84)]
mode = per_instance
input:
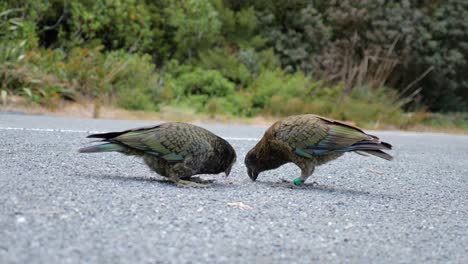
[(107, 147), (375, 143), (372, 148), (379, 154), (387, 145), (106, 135)]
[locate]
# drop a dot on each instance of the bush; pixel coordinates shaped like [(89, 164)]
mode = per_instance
[(448, 120), (196, 25), (360, 60), (201, 82), (325, 38), (25, 69), (136, 85), (279, 94), (281, 84), (229, 65), (234, 105), (193, 86), (46, 76), (370, 107)]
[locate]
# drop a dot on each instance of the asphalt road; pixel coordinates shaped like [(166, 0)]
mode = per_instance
[(58, 206)]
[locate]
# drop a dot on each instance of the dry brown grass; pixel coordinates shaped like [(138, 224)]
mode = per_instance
[(85, 110)]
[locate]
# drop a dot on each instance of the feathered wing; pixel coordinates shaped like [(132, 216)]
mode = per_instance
[(316, 135), (167, 142)]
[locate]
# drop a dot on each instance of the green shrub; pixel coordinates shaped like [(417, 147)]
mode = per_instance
[(45, 76), (369, 107), (279, 94), (194, 87), (281, 84), (238, 27), (447, 120), (203, 82), (136, 84), (234, 105), (196, 25), (120, 24), (328, 39), (229, 65), (344, 59)]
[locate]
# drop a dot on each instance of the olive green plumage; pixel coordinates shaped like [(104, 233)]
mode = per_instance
[(174, 150), (309, 141)]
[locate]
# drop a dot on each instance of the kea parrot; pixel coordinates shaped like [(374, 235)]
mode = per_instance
[(309, 141), (174, 150)]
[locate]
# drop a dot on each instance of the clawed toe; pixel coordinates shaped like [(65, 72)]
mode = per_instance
[(190, 184), (200, 180), (285, 183), (296, 183)]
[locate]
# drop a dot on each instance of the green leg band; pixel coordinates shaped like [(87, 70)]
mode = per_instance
[(297, 182)]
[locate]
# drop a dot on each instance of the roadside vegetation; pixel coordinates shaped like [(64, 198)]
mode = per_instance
[(377, 63)]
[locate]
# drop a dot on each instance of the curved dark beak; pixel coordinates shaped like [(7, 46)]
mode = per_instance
[(252, 174), (228, 170)]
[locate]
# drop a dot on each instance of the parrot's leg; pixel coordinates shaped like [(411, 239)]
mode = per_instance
[(186, 183), (180, 175), (190, 184), (200, 180), (305, 173)]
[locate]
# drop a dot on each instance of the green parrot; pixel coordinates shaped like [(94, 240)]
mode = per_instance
[(309, 141), (173, 150)]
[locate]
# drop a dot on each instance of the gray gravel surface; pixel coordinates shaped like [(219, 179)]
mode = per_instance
[(58, 206)]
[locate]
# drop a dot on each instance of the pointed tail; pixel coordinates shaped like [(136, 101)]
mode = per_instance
[(373, 148), (107, 147), (379, 154)]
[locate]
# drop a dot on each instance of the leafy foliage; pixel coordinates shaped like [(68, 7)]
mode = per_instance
[(241, 58), (46, 75), (204, 90), (196, 25), (325, 37), (122, 24)]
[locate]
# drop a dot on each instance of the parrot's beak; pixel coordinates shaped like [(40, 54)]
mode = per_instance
[(252, 174), (228, 170)]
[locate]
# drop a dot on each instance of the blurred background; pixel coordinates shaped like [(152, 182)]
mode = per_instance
[(380, 64)]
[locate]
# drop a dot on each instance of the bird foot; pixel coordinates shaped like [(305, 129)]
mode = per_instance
[(200, 180), (297, 184), (190, 184), (287, 184)]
